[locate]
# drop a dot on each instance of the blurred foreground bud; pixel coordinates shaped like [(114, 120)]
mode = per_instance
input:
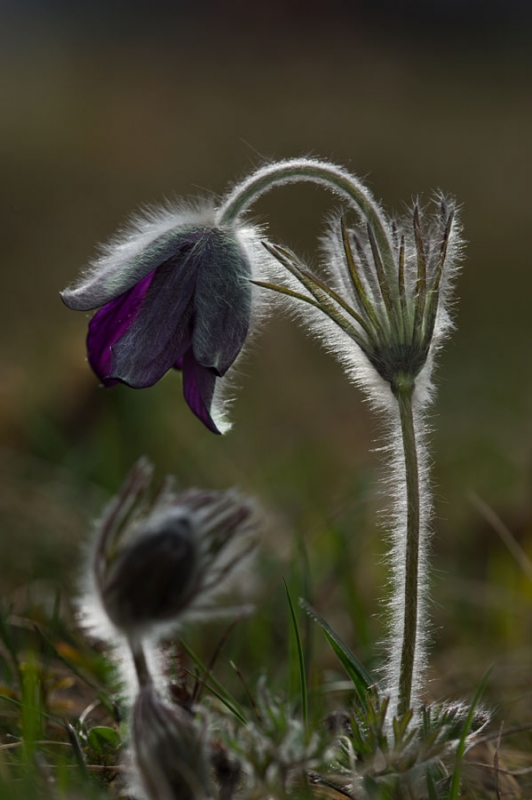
[(173, 291), (153, 578), (169, 750), (161, 561)]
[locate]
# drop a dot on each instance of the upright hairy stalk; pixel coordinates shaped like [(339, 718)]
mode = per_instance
[(381, 308), (409, 616)]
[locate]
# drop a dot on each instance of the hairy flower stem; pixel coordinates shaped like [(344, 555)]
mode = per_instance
[(141, 665), (328, 175), (385, 321), (404, 394)]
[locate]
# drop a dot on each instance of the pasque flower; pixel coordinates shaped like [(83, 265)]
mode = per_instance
[(172, 291), (163, 560)]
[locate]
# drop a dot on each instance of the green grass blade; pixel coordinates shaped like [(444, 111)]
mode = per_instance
[(31, 717), (227, 703), (220, 692), (454, 789), (357, 672), (20, 705), (7, 640), (72, 667), (300, 657), (431, 786)]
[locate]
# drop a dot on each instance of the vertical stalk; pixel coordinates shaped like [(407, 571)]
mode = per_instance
[(404, 395), (140, 663)]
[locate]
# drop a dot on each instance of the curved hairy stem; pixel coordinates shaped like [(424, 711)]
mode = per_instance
[(328, 175)]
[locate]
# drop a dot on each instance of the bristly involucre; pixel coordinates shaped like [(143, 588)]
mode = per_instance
[(381, 306)]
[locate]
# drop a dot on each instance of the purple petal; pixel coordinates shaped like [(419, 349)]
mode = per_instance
[(162, 329), (127, 264), (110, 323), (222, 302), (198, 388)]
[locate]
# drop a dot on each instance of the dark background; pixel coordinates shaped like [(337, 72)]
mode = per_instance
[(106, 106)]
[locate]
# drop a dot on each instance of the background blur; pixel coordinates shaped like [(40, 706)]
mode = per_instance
[(108, 105)]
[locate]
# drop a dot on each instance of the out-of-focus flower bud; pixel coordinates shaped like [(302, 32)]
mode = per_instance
[(160, 561), (169, 750), (153, 578)]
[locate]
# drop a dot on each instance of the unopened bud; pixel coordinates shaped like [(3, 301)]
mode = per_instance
[(158, 560), (169, 750), (153, 578)]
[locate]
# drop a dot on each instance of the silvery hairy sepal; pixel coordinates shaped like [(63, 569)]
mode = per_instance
[(173, 291), (389, 295), (159, 561), (169, 750)]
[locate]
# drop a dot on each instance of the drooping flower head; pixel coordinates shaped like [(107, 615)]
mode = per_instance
[(173, 291), (158, 562)]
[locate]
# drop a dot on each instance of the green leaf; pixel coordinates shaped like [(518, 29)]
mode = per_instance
[(103, 740), (220, 692), (300, 657), (357, 672)]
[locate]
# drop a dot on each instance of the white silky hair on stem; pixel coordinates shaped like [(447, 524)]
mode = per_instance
[(383, 311)]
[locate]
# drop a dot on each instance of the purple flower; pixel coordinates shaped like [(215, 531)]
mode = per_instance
[(172, 292)]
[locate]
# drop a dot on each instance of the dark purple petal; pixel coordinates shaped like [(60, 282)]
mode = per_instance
[(222, 302), (198, 388), (110, 323), (162, 329), (126, 265)]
